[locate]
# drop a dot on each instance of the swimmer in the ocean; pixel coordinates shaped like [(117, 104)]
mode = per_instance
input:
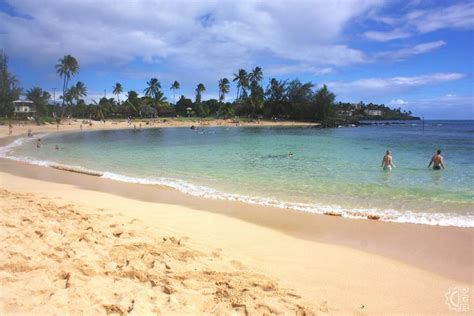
[(387, 161), (437, 161), (290, 154), (38, 143)]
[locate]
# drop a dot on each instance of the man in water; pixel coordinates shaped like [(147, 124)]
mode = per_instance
[(38, 143), (437, 161), (387, 161)]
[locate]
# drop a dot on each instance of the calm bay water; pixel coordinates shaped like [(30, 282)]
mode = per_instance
[(335, 170)]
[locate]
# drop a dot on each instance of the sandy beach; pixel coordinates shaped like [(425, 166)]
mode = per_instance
[(75, 243)]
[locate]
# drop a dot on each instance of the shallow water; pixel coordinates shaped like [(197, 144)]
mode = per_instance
[(335, 170)]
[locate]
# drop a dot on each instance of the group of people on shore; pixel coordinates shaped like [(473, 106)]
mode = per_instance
[(437, 161)]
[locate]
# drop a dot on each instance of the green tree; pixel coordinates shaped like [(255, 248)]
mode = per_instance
[(183, 104), (324, 100), (300, 97), (256, 97), (256, 91), (256, 75), (75, 93), (118, 89), (133, 103), (241, 77), (175, 86), (224, 87), (66, 68), (276, 98), (40, 99), (199, 90), (154, 97), (153, 88), (9, 89), (81, 90)]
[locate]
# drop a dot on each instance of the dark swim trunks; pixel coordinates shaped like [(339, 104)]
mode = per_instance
[(437, 167)]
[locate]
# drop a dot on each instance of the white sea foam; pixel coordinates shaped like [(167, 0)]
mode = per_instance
[(440, 219)]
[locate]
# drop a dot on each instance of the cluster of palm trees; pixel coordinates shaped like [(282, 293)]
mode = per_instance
[(279, 99), (66, 68)]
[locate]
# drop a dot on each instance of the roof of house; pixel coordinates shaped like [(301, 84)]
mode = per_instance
[(23, 101)]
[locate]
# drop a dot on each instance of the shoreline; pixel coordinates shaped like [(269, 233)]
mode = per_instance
[(393, 251), (391, 238), (352, 212)]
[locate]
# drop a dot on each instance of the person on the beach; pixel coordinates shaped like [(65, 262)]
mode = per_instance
[(38, 143), (81, 127), (387, 161), (10, 128), (437, 161)]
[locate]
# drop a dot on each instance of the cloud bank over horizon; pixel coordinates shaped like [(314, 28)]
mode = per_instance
[(363, 49)]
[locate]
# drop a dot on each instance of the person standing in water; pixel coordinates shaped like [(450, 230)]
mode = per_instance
[(387, 161), (437, 161), (38, 143)]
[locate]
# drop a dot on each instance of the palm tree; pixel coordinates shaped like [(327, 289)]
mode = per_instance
[(256, 75), (40, 99), (242, 80), (175, 86), (256, 91), (66, 68), (75, 93), (223, 88), (118, 89), (81, 90), (199, 89), (153, 91), (153, 88)]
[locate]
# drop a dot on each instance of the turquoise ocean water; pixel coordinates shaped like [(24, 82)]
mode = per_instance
[(331, 170)]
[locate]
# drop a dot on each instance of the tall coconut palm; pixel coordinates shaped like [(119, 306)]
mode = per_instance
[(175, 86), (256, 75), (241, 77), (153, 88), (153, 91), (81, 90), (118, 89), (66, 68), (223, 88), (199, 90)]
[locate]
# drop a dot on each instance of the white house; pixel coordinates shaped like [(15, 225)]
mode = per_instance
[(373, 112), (24, 107)]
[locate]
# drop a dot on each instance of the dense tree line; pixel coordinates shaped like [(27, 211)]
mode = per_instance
[(277, 99)]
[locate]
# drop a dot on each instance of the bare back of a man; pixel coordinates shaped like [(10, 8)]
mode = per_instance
[(437, 161)]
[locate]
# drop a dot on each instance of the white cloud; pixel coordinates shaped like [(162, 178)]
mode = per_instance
[(203, 35), (391, 84), (298, 69), (445, 107), (398, 102), (386, 36), (410, 51), (456, 16)]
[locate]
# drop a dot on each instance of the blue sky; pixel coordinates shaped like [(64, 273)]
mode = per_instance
[(416, 55)]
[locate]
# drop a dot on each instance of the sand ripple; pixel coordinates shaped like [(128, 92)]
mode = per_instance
[(60, 259)]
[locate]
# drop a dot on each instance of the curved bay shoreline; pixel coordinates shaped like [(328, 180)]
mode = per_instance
[(442, 255)]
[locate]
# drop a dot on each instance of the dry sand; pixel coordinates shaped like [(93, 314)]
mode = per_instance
[(73, 243), (58, 258)]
